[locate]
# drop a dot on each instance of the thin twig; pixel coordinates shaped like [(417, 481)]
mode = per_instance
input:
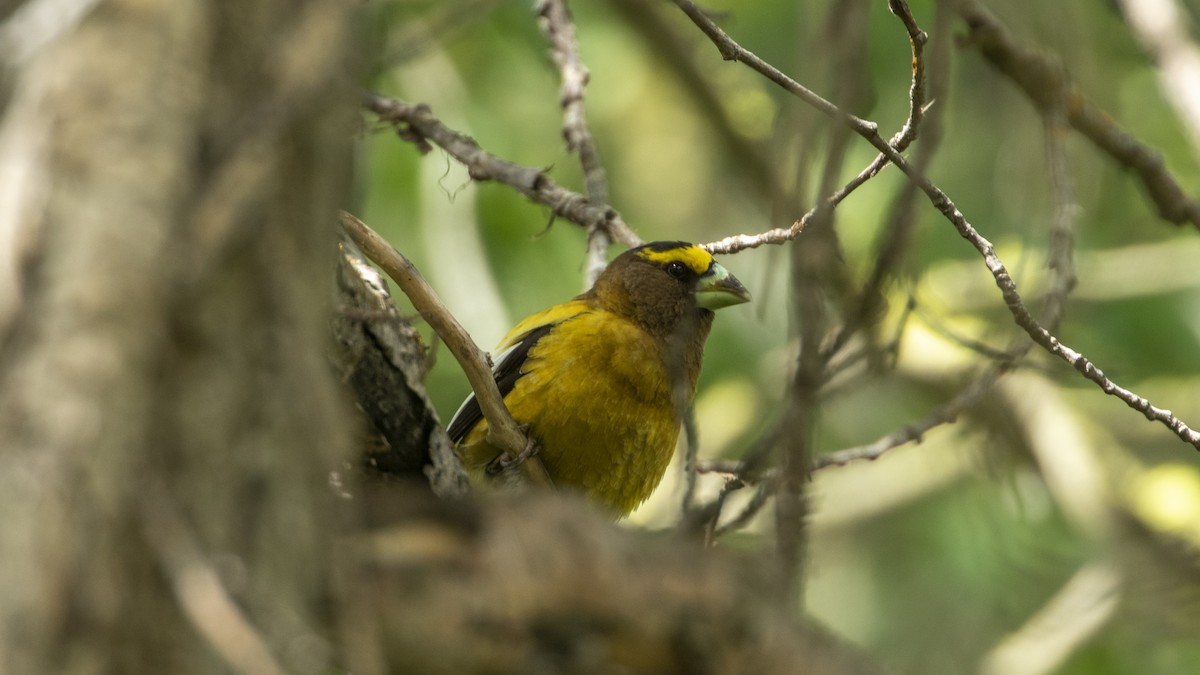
[(942, 202), (417, 124), (816, 268), (918, 104), (893, 246), (839, 377), (944, 414), (555, 21), (749, 470), (718, 505), (762, 495), (1062, 226), (1034, 329), (691, 449), (503, 432), (970, 344), (1046, 83), (728, 467)]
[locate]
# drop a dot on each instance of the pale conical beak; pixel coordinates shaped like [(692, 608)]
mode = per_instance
[(718, 288)]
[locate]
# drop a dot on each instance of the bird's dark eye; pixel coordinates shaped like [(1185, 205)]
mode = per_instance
[(677, 269)]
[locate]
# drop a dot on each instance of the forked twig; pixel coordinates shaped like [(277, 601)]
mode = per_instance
[(731, 50)]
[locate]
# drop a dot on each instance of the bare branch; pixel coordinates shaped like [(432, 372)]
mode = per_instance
[(1035, 330), (416, 124), (1046, 83), (555, 21), (894, 245), (1062, 226), (942, 202), (946, 413), (503, 431), (917, 101), (761, 496), (900, 141), (780, 235)]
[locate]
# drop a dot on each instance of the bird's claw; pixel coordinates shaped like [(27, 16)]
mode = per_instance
[(503, 461)]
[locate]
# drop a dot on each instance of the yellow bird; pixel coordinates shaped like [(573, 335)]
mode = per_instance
[(601, 379)]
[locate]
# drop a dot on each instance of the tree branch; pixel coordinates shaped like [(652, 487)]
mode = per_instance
[(377, 353), (731, 50), (894, 246), (503, 431), (555, 21), (1046, 83), (944, 414), (918, 103), (417, 124)]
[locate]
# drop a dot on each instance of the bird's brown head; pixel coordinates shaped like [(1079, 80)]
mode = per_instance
[(660, 284)]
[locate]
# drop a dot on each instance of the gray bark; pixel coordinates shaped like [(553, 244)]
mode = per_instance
[(169, 420)]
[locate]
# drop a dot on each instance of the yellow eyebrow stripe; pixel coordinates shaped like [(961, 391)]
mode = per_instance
[(693, 256)]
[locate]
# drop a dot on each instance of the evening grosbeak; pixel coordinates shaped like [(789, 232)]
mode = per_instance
[(601, 380)]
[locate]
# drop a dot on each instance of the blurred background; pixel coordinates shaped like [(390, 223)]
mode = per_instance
[(1050, 528)]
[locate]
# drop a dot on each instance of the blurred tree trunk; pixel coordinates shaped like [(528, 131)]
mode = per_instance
[(171, 171)]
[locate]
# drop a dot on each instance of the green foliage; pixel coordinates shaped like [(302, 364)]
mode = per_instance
[(930, 556)]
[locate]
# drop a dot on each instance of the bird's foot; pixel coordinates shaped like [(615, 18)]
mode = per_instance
[(503, 462)]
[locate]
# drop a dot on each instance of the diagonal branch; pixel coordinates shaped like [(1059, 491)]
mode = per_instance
[(946, 413), (503, 431), (417, 124), (894, 245), (731, 50), (918, 102), (1046, 83)]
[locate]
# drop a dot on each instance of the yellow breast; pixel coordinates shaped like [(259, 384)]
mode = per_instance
[(596, 395)]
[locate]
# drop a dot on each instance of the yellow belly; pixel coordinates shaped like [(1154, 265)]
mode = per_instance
[(595, 393)]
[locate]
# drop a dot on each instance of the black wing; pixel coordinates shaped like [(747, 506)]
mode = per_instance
[(506, 373)]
